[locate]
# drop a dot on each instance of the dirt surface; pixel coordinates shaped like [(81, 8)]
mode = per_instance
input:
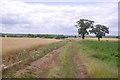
[(81, 71), (41, 67)]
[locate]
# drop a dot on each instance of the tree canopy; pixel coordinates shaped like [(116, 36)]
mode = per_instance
[(99, 30), (83, 25), (86, 26)]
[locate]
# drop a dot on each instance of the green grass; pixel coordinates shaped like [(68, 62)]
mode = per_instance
[(43, 51), (102, 66), (100, 59), (64, 67), (105, 51), (27, 75)]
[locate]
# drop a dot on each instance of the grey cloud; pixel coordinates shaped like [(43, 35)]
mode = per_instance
[(14, 19), (43, 18)]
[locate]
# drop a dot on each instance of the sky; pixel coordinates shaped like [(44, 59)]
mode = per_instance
[(56, 16)]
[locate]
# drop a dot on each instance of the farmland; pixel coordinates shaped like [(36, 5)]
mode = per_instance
[(101, 58), (11, 44), (77, 40), (103, 39), (69, 58), (12, 47)]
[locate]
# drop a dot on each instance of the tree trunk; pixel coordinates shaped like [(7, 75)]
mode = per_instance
[(98, 39), (83, 36)]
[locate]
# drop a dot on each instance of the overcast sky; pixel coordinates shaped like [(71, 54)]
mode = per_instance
[(43, 16)]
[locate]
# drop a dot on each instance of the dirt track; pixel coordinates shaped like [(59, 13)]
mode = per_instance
[(41, 67), (81, 71)]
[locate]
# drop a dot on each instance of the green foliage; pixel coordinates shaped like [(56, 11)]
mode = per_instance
[(83, 25), (50, 36), (99, 30), (105, 51), (30, 35), (43, 51), (26, 75), (56, 36)]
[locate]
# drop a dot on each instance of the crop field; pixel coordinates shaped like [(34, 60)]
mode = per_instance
[(95, 39), (12, 47), (104, 39), (68, 58), (101, 58), (66, 39), (13, 44)]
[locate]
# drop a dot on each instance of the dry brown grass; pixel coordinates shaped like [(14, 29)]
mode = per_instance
[(15, 49), (14, 44), (76, 39), (102, 39)]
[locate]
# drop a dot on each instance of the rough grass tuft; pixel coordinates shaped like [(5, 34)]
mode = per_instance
[(99, 62)]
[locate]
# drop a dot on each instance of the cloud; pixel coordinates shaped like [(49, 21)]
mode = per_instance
[(58, 18), (70, 0)]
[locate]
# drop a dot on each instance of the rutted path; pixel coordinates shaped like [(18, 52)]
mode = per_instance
[(40, 67), (53, 65), (81, 71)]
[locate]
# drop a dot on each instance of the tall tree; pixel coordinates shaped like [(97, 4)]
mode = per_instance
[(83, 25), (99, 31)]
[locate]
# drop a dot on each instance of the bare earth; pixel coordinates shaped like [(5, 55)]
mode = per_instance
[(42, 66), (81, 71)]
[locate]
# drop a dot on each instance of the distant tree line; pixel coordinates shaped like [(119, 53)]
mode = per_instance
[(55, 36)]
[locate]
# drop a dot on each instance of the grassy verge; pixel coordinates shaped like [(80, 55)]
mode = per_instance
[(43, 51), (64, 67), (105, 51), (23, 50), (34, 55), (99, 57)]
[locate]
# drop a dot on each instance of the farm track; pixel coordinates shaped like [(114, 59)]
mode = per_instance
[(81, 71), (41, 67), (63, 61)]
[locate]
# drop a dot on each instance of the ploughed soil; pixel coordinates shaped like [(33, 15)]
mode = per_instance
[(41, 67)]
